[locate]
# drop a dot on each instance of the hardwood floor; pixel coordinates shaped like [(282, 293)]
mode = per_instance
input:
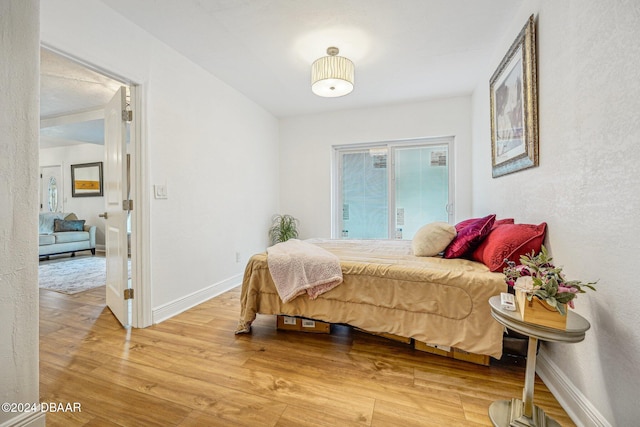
[(192, 370)]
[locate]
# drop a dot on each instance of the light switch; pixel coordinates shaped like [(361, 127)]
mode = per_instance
[(160, 191)]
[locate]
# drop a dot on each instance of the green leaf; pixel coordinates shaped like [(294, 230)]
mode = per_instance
[(540, 294), (561, 309), (283, 228), (565, 297)]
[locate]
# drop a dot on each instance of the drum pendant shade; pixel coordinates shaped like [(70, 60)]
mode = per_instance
[(332, 76)]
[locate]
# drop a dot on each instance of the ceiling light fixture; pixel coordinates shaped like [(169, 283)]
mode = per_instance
[(332, 76)]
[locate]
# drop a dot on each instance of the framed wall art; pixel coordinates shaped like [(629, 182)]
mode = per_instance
[(514, 106), (86, 180)]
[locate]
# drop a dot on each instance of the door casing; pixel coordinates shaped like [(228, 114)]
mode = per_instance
[(140, 229)]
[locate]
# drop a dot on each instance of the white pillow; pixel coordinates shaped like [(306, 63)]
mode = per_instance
[(433, 238)]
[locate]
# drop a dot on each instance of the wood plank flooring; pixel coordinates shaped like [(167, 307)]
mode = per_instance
[(192, 370)]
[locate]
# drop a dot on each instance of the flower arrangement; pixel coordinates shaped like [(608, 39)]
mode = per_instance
[(538, 277)]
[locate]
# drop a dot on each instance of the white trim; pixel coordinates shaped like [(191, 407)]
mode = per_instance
[(451, 207), (142, 315), (176, 307), (86, 64), (30, 419), (578, 407), (428, 140), (336, 194)]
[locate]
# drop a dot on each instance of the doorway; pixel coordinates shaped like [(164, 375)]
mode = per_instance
[(51, 187), (73, 98)]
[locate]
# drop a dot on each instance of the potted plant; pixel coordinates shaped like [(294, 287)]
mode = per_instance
[(283, 228), (542, 291)]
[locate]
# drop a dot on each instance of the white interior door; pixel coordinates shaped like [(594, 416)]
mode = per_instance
[(115, 128), (51, 189)]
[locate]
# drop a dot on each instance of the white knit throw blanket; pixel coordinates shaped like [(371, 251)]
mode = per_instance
[(298, 267)]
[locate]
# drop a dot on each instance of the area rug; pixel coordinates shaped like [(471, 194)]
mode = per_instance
[(73, 275)]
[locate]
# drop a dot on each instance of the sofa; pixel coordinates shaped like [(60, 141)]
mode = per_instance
[(61, 232)]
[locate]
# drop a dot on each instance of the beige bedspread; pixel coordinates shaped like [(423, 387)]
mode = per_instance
[(387, 289)]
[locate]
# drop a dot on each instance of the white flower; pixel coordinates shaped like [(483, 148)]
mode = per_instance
[(524, 283)]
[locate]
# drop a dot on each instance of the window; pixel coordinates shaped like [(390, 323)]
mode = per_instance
[(390, 190)]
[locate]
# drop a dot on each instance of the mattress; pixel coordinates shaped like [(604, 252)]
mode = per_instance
[(388, 290)]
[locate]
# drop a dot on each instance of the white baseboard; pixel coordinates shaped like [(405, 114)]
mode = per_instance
[(26, 419), (176, 307), (576, 404)]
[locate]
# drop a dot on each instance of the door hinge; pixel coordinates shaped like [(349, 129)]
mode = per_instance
[(127, 115), (128, 293), (127, 205)]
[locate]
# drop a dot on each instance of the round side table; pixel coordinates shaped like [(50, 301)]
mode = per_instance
[(523, 413)]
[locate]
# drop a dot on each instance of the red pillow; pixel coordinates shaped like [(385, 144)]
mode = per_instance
[(459, 226), (509, 241), (501, 222), (470, 233)]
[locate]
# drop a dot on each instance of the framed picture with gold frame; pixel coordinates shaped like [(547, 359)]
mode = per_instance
[(86, 180), (514, 106)]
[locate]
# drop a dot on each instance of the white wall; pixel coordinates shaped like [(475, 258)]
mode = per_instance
[(214, 149), (587, 187), (19, 83), (306, 153), (86, 208)]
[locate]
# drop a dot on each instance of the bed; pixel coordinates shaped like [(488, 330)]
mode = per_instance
[(386, 289)]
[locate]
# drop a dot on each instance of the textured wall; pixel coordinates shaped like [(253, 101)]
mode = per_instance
[(587, 187), (19, 85)]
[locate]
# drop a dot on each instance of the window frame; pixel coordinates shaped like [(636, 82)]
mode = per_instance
[(391, 146)]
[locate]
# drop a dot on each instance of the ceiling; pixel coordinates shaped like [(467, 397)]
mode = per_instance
[(72, 100), (403, 50)]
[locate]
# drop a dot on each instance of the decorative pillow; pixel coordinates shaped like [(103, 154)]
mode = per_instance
[(71, 216), (431, 239), (509, 241), (470, 233), (71, 225), (499, 222)]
